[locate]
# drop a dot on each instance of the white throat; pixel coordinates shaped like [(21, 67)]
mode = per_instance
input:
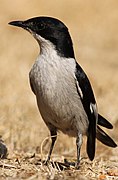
[(46, 47)]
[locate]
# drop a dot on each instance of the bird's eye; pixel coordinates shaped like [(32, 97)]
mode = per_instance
[(42, 26)]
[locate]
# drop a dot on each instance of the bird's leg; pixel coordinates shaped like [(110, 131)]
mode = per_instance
[(78, 143), (53, 137)]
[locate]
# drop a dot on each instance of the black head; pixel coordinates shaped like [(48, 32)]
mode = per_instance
[(50, 29)]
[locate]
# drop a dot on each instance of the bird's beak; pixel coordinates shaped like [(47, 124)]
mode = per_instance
[(19, 24)]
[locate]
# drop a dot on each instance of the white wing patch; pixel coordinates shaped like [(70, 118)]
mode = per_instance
[(79, 89), (93, 109)]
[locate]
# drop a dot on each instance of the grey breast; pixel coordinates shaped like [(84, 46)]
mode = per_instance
[(57, 97)]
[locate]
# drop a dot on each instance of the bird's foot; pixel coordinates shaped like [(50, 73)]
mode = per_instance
[(67, 163), (46, 162), (77, 165)]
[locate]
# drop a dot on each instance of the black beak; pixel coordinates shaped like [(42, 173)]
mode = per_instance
[(19, 24)]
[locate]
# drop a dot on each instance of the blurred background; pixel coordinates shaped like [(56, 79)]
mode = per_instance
[(94, 29)]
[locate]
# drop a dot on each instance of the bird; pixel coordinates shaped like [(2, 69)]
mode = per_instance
[(63, 91)]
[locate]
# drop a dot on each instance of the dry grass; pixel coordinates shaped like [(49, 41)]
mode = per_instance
[(29, 166), (94, 28)]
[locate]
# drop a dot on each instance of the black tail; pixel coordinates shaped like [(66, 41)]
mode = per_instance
[(103, 122), (91, 140), (104, 138)]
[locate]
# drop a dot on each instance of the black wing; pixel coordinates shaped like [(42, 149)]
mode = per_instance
[(87, 97)]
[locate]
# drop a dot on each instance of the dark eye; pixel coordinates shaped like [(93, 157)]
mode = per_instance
[(41, 26)]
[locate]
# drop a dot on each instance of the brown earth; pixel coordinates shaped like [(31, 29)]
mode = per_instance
[(94, 29)]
